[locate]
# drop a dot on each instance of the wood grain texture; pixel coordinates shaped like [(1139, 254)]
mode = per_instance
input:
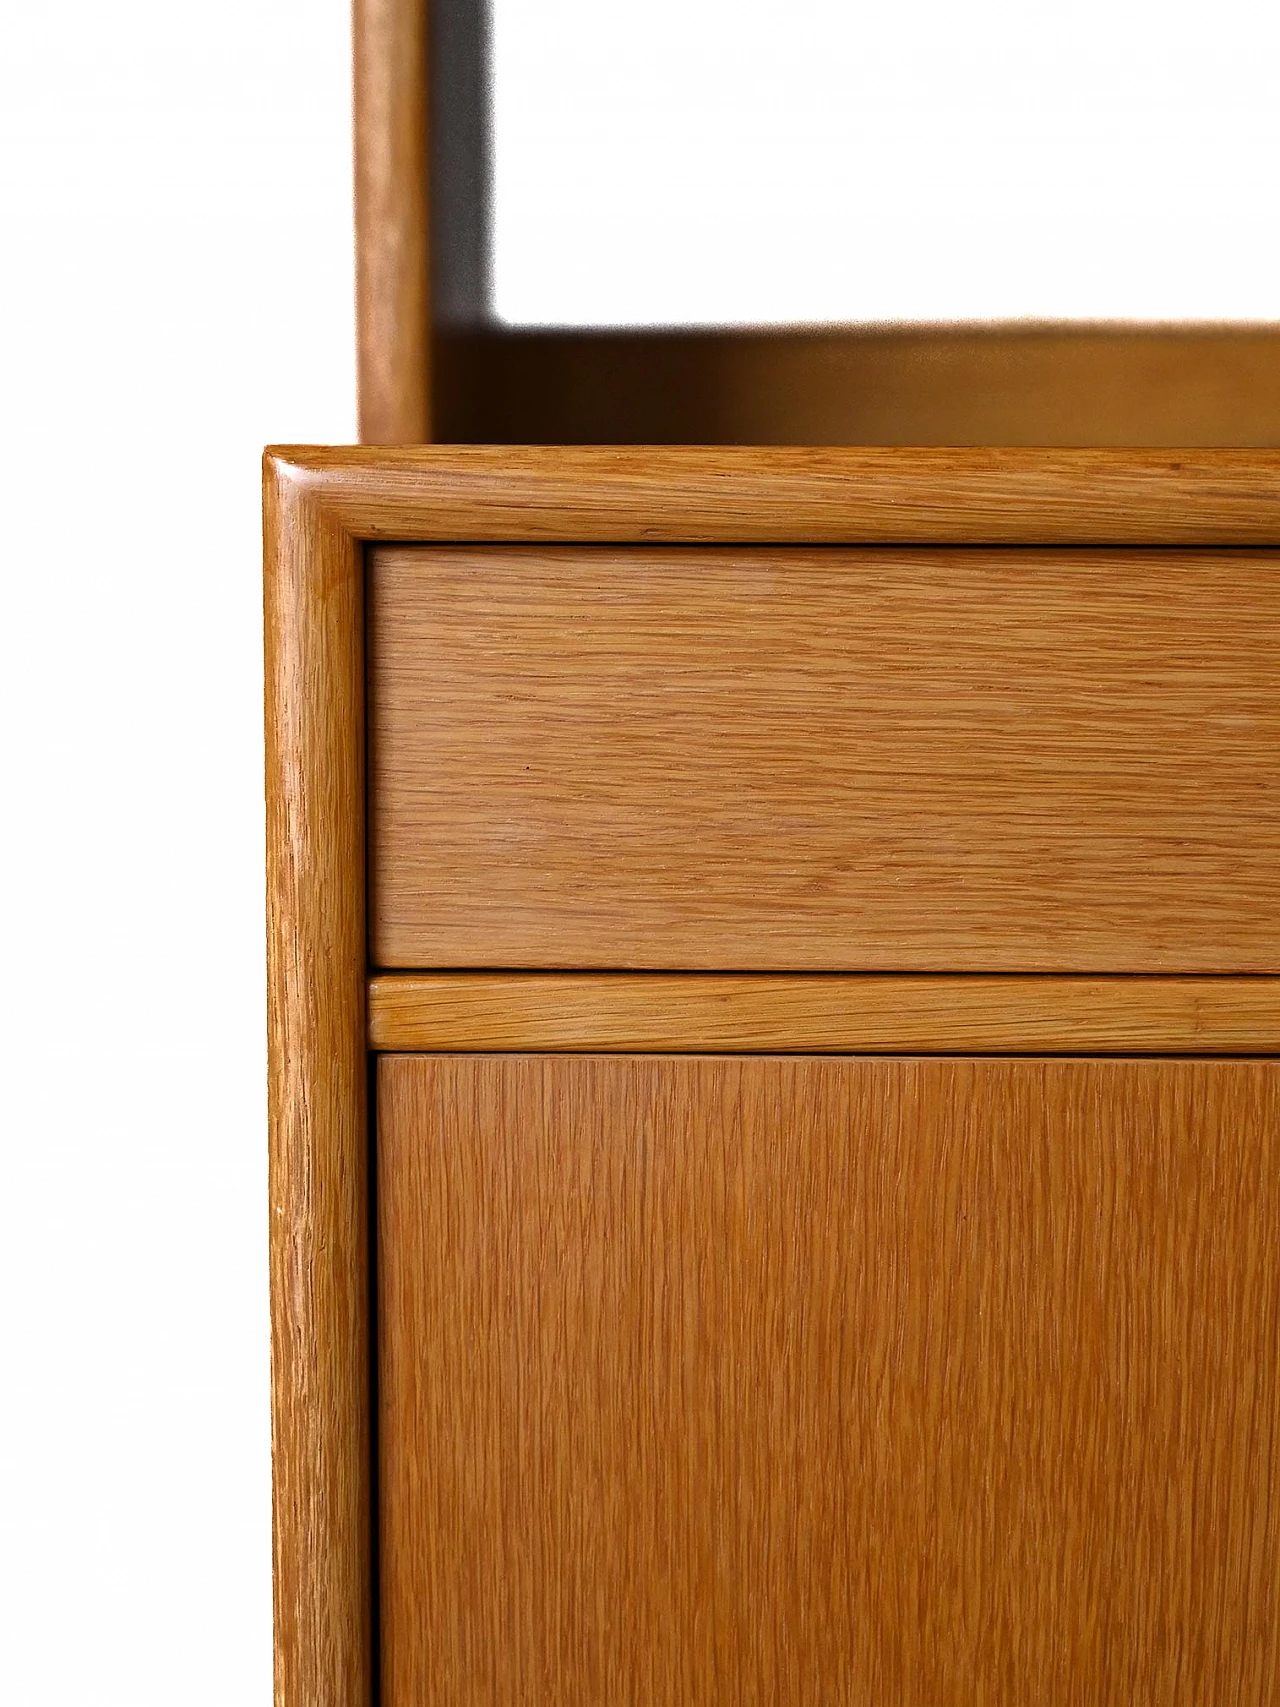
[(318, 1097), (1023, 384), (815, 1013), (968, 761), (800, 1381), (793, 494), (393, 316)]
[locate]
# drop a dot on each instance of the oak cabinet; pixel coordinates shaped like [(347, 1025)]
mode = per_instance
[(775, 1121)]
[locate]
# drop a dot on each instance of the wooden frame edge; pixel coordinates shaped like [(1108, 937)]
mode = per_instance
[(823, 1013), (794, 495), (318, 1103)]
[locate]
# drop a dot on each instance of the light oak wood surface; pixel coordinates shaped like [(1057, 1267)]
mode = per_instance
[(969, 761), (816, 1013), (393, 314), (828, 1381), (318, 1104), (791, 494), (321, 508)]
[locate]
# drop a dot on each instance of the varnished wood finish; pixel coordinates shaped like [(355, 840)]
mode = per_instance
[(963, 760), (902, 385), (389, 40), (829, 1381), (792, 495), (321, 507), (815, 1014), (318, 1089)]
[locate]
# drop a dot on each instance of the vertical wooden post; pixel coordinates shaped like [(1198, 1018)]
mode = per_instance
[(393, 305)]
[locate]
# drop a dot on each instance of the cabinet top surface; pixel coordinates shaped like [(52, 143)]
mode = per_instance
[(790, 493)]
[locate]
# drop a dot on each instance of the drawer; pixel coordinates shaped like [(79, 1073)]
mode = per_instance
[(777, 758)]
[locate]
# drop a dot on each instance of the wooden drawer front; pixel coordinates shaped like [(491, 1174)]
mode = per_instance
[(774, 758), (801, 1381)]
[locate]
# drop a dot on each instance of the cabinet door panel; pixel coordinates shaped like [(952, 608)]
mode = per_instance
[(823, 1380)]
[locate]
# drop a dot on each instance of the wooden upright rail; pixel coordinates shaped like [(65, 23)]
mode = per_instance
[(393, 313)]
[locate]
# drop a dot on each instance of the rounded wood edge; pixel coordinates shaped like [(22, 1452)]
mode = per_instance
[(317, 1101), (795, 495), (393, 317), (816, 1013)]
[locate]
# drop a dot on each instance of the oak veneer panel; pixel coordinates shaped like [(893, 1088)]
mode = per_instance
[(791, 759), (829, 1380), (816, 1013)]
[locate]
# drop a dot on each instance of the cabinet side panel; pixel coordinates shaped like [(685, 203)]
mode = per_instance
[(829, 1381), (318, 1101)]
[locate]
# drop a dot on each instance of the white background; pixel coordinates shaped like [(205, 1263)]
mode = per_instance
[(175, 290), (772, 160)]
